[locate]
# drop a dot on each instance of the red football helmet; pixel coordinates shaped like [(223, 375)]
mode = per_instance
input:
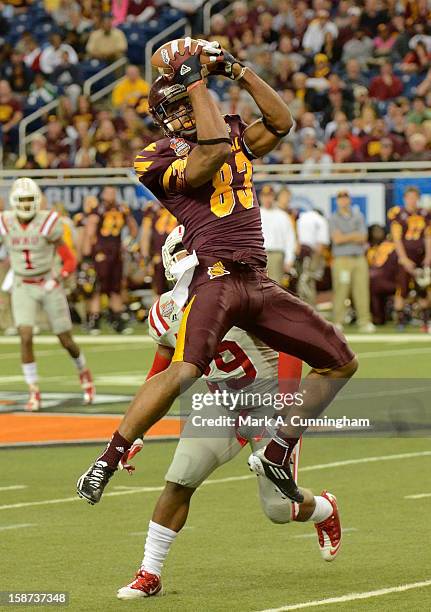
[(170, 103)]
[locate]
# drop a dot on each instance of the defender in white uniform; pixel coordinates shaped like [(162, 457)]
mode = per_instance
[(32, 238), (242, 361)]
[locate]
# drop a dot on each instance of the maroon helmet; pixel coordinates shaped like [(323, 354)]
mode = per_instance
[(163, 102)]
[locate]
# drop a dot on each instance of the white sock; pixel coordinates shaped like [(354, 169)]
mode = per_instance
[(30, 373), (322, 511), (80, 362), (157, 545)]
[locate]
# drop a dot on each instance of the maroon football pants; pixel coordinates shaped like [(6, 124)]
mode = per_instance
[(225, 294)]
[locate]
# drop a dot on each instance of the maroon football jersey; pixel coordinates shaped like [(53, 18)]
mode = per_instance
[(221, 217), (383, 257), (411, 228), (111, 222)]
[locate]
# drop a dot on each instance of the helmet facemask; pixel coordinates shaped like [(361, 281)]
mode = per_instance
[(175, 108)]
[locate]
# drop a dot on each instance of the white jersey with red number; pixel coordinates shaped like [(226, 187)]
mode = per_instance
[(31, 246), (240, 359)]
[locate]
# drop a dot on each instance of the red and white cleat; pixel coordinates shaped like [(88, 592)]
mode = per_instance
[(34, 401), (87, 385), (329, 531), (144, 585)]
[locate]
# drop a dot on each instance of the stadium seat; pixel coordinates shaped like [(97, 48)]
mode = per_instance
[(91, 67)]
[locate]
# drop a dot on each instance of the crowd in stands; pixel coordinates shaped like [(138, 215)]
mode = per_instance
[(355, 74)]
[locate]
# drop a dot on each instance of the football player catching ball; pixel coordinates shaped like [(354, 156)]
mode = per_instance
[(240, 358), (201, 171)]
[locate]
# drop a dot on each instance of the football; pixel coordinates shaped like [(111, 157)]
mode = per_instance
[(160, 58)]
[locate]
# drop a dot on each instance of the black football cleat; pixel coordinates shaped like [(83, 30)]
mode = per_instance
[(280, 475), (92, 483)]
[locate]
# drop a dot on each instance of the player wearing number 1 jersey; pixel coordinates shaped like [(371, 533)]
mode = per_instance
[(32, 238), (202, 173)]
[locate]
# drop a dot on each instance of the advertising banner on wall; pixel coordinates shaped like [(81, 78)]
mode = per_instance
[(368, 197), (72, 196)]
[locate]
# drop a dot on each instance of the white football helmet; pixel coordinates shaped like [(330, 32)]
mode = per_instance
[(171, 249), (25, 198)]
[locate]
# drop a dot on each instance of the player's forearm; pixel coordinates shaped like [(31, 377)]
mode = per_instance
[(206, 159), (209, 120), (274, 110)]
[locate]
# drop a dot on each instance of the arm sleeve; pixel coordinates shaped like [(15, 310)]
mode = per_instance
[(160, 363), (68, 259)]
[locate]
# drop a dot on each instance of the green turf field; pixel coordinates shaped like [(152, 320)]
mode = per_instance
[(230, 558)]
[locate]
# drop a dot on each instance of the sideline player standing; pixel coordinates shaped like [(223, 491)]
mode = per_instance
[(411, 232), (32, 238), (102, 241), (202, 173)]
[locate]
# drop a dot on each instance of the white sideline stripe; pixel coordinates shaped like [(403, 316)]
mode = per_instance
[(323, 466), (13, 488), (352, 597), (366, 355), (52, 352), (20, 526), (80, 339), (141, 339), (309, 468), (346, 530), (418, 496)]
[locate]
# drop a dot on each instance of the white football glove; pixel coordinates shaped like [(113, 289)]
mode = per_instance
[(50, 284), (169, 252)]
